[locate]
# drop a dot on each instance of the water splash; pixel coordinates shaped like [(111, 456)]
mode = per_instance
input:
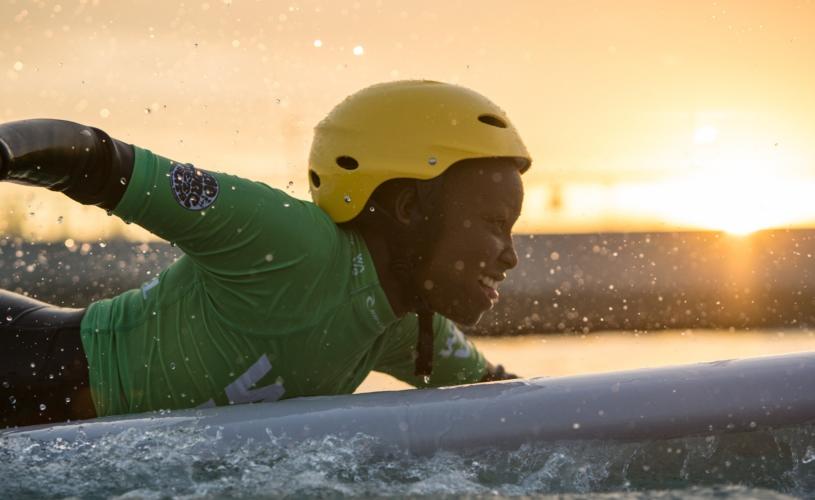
[(181, 462)]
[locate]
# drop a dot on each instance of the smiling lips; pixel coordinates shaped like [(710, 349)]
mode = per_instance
[(490, 287)]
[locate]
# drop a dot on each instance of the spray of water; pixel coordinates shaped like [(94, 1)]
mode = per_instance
[(182, 462)]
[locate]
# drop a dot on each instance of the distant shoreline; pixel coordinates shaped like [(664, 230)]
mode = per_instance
[(563, 283)]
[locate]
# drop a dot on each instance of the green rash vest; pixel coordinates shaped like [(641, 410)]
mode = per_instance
[(270, 300)]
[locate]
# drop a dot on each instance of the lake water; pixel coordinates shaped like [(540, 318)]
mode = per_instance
[(180, 464), (572, 354)]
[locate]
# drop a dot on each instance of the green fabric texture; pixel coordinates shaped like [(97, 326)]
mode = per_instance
[(271, 300)]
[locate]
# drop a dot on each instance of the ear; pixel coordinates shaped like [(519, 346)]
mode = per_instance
[(406, 206)]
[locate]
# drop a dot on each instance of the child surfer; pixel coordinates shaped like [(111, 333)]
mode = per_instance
[(416, 187)]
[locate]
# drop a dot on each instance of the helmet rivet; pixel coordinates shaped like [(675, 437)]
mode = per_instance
[(347, 198), (432, 160)]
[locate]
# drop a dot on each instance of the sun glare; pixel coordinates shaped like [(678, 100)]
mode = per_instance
[(733, 197), (705, 134), (736, 205), (737, 182)]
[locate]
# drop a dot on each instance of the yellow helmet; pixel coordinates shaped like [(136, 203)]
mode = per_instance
[(404, 129)]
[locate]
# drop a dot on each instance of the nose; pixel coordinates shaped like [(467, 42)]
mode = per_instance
[(509, 256)]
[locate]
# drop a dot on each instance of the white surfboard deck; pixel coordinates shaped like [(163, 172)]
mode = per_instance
[(707, 398)]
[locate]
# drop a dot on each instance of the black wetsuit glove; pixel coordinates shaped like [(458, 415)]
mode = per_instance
[(82, 162), (497, 373)]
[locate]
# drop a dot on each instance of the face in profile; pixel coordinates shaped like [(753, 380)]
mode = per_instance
[(482, 200)]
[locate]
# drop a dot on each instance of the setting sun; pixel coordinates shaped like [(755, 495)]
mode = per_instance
[(737, 187), (736, 204)]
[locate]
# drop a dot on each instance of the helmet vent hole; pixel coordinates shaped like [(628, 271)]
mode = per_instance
[(315, 179), (492, 120), (347, 162)]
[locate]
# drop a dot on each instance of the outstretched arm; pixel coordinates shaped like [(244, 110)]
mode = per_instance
[(236, 229), (83, 162), (456, 360)]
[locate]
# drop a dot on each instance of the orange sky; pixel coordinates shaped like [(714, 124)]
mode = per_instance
[(639, 114)]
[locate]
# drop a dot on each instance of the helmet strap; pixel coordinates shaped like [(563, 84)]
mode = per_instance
[(424, 343), (407, 251)]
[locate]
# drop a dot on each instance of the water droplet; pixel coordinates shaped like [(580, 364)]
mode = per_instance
[(172, 365), (426, 379), (123, 181), (286, 205), (6, 385), (346, 198), (269, 257), (33, 365), (42, 406), (459, 265), (576, 425), (359, 50), (432, 160), (67, 400), (12, 400), (371, 209), (428, 285), (9, 318)]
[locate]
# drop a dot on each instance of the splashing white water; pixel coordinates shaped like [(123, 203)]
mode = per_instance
[(182, 462)]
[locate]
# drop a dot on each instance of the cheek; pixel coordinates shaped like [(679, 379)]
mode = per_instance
[(467, 253)]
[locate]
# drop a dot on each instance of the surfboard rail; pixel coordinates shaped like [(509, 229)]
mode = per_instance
[(741, 395)]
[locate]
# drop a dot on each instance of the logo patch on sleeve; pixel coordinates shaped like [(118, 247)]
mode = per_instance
[(193, 189)]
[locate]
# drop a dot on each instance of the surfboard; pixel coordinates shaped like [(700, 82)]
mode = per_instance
[(744, 395)]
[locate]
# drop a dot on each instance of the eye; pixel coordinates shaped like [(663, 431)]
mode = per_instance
[(498, 222)]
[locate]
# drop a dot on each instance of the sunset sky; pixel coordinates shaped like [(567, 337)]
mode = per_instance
[(640, 115)]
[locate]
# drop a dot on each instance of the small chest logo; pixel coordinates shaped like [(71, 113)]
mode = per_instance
[(193, 189), (358, 265)]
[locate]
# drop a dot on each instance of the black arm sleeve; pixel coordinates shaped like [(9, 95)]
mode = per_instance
[(82, 162)]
